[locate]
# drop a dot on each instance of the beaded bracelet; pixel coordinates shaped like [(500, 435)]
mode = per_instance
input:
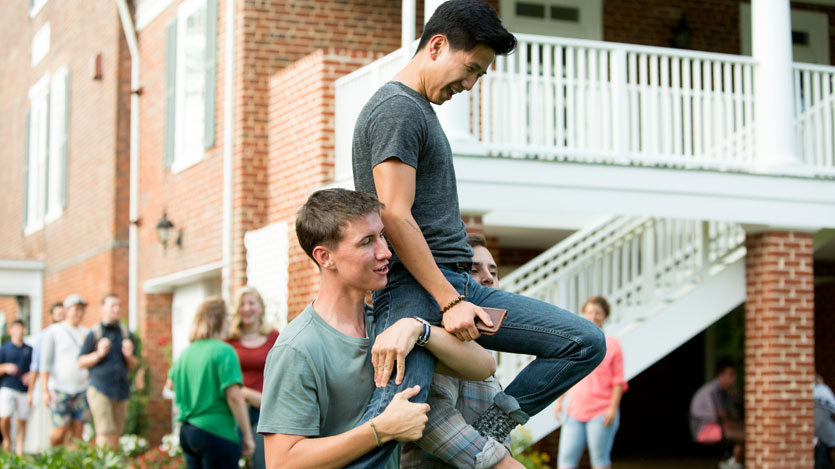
[(453, 303), (374, 431)]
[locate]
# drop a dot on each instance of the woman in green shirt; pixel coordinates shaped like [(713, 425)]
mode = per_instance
[(207, 386)]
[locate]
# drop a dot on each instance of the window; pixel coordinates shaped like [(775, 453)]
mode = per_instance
[(40, 44), (565, 18), (56, 170), (35, 6), (45, 158), (190, 83)]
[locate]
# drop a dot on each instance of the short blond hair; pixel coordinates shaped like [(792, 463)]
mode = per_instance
[(209, 319), (235, 331)]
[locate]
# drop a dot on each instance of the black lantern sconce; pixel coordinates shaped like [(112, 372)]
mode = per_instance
[(682, 34), (164, 231)]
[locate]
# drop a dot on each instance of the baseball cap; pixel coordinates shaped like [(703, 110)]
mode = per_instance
[(73, 300)]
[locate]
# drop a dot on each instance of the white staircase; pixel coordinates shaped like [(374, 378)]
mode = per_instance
[(666, 280)]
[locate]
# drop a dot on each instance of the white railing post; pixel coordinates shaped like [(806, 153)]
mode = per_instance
[(648, 262), (705, 247), (620, 111)]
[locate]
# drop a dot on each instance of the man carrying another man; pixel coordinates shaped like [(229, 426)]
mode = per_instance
[(323, 368), (401, 154)]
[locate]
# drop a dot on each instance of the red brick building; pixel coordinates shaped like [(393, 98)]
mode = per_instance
[(237, 116)]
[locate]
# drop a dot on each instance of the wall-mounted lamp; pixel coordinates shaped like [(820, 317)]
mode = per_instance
[(164, 231), (682, 34)]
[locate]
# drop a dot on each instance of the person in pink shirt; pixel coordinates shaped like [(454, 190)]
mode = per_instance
[(592, 416)]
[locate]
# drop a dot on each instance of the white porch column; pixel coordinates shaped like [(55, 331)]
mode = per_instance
[(408, 18), (455, 113), (774, 110)]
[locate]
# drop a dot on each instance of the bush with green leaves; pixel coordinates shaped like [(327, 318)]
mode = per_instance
[(522, 449)]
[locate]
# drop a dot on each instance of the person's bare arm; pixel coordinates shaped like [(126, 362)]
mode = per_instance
[(460, 359), (465, 360), (33, 376), (614, 403), (252, 397), (91, 359), (235, 400), (131, 360), (402, 421), (395, 185)]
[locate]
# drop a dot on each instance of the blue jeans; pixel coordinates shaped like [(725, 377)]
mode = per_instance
[(574, 436), (258, 461), (206, 451), (567, 346)]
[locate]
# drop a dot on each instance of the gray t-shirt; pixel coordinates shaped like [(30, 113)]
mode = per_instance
[(59, 356), (317, 380), (399, 122)]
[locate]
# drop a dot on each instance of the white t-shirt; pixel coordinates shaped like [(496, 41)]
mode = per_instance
[(59, 357)]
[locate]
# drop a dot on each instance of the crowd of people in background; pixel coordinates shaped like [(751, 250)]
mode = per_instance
[(77, 375)]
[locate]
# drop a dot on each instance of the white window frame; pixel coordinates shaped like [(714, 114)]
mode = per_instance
[(38, 151), (40, 44), (57, 124), (36, 7), (590, 25), (148, 10), (189, 149)]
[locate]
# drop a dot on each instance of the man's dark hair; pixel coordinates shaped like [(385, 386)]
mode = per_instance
[(475, 239), (18, 321), (55, 305), (108, 295), (723, 363), (466, 24), (321, 219)]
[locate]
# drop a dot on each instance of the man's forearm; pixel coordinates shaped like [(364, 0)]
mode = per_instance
[(411, 247), (131, 361), (291, 451), (467, 360), (89, 360)]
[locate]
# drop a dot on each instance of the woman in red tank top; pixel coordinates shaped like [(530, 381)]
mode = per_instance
[(252, 337)]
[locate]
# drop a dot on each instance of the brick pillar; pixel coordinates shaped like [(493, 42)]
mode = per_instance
[(779, 351), (155, 325)]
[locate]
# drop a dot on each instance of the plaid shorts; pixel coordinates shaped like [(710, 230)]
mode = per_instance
[(68, 407)]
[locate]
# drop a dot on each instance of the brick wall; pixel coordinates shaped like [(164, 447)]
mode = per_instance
[(155, 328), (779, 350), (301, 148), (276, 34), (93, 224)]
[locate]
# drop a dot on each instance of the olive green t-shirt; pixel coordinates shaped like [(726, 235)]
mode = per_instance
[(200, 376), (317, 381)]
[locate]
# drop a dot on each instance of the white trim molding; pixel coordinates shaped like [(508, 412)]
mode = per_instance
[(167, 283)]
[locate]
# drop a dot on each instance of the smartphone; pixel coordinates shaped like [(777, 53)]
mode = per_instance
[(496, 315)]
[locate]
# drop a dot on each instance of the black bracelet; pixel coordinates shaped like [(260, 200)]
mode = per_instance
[(423, 338)]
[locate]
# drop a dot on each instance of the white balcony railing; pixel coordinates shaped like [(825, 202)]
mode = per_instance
[(814, 99), (640, 265), (557, 98), (611, 103)]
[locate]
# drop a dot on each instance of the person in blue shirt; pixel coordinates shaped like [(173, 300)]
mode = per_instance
[(109, 352), (15, 358)]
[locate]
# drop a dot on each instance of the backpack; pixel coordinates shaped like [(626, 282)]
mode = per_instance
[(98, 332)]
